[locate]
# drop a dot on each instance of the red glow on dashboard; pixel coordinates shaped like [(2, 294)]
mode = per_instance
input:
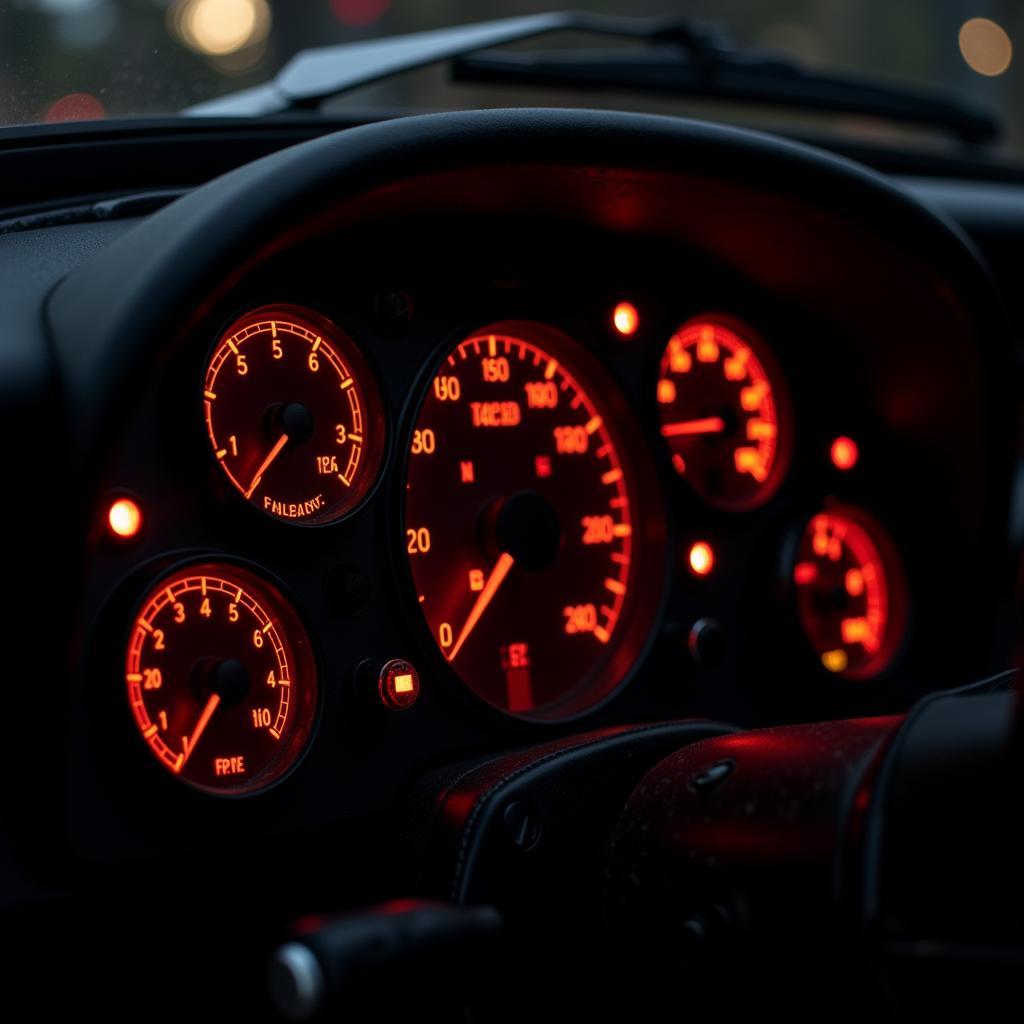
[(626, 319), (124, 518), (844, 453)]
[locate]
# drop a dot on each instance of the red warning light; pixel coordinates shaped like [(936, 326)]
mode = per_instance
[(844, 453), (626, 319), (399, 685), (124, 518), (701, 558)]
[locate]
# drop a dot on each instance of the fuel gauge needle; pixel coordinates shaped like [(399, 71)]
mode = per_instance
[(188, 743), (265, 464), (494, 581)]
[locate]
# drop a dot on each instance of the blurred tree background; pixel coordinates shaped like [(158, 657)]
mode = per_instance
[(78, 59)]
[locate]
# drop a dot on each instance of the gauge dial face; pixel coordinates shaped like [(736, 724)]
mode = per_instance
[(724, 413), (850, 592), (293, 415), (221, 680), (521, 522)]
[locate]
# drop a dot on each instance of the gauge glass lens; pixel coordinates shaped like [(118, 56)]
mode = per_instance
[(522, 522), (850, 592), (221, 680), (724, 413), (293, 415)]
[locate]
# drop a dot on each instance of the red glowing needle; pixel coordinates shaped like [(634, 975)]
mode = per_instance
[(188, 743), (495, 580), (711, 425), (265, 464)]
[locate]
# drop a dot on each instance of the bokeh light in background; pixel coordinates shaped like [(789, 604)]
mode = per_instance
[(145, 57), (218, 28), (985, 46), (76, 106), (359, 13)]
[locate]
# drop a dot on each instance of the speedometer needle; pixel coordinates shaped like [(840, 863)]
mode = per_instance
[(265, 464), (711, 425), (188, 743), (495, 580)]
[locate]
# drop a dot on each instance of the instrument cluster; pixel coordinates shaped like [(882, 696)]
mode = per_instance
[(556, 503)]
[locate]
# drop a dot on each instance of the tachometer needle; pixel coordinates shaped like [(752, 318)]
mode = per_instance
[(495, 580), (265, 464), (710, 425), (188, 743)]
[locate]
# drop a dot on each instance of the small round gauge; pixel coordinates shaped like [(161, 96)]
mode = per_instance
[(724, 412), (221, 679), (527, 523), (850, 592), (294, 415)]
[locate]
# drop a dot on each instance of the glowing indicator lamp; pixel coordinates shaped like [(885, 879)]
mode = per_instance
[(844, 453), (398, 685), (701, 558), (124, 519), (626, 319)]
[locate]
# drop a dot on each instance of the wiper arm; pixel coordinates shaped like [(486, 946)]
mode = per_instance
[(762, 80), (681, 57)]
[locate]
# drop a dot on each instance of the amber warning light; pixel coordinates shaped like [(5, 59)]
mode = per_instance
[(626, 319), (844, 453), (702, 558), (124, 519), (399, 685)]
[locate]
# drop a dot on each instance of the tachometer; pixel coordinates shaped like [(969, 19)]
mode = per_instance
[(528, 522), (294, 415), (724, 413), (850, 592), (221, 679)]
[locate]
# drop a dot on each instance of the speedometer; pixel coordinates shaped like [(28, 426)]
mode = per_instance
[(529, 524)]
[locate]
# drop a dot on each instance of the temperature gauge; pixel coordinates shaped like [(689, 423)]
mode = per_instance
[(850, 592)]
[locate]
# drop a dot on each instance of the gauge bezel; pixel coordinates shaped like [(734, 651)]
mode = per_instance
[(361, 367), (784, 412), (146, 583), (651, 560), (898, 596)]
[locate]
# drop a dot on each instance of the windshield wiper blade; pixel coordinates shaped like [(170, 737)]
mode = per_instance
[(681, 57), (760, 80)]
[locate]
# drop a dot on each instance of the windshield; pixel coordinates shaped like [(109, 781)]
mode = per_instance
[(65, 60)]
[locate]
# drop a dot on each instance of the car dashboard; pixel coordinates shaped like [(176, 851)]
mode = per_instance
[(466, 434)]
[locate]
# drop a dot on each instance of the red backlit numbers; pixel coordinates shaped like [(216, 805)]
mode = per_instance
[(447, 389), (571, 440), (495, 371), (541, 394), (417, 541), (424, 442), (598, 529), (580, 618)]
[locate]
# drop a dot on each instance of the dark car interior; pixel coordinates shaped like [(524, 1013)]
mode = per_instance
[(512, 563)]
